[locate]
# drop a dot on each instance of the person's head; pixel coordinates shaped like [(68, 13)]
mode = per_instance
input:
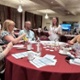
[(27, 25), (8, 25), (44, 26), (55, 21)]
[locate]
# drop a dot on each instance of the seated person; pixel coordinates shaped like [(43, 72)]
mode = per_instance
[(74, 40), (27, 29), (45, 28), (2, 55), (7, 33)]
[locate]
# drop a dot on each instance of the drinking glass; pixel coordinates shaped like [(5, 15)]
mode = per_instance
[(31, 56), (38, 51), (29, 46)]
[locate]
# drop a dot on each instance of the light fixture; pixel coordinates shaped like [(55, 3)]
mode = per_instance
[(20, 9), (46, 16)]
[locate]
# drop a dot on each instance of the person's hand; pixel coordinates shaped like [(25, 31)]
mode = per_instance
[(56, 32), (24, 34), (70, 42), (49, 33)]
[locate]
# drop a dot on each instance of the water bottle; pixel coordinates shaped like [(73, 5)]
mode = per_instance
[(38, 47)]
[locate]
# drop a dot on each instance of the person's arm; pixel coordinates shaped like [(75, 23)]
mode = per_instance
[(59, 30), (50, 30), (73, 40), (6, 50), (10, 38)]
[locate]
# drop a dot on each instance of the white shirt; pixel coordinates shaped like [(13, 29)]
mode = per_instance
[(53, 32)]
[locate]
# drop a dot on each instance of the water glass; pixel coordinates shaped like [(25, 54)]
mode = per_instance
[(31, 56), (29, 46), (39, 50)]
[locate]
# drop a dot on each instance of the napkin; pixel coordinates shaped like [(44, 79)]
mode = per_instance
[(75, 61), (66, 53)]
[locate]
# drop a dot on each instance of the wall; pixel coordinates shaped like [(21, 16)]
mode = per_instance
[(36, 20), (61, 19), (10, 13)]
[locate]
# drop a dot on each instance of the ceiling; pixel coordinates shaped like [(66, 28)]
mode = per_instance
[(62, 7)]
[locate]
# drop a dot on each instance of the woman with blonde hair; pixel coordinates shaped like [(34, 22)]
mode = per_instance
[(7, 33)]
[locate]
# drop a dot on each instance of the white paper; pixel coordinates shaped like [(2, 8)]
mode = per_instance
[(77, 60), (18, 46), (33, 42), (62, 52), (66, 53), (48, 61), (52, 42), (20, 55), (37, 63), (49, 56), (71, 61), (44, 61), (47, 42)]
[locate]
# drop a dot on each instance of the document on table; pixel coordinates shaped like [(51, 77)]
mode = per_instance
[(75, 61), (44, 61), (48, 61), (49, 56), (52, 42), (18, 46), (33, 42), (23, 54), (20, 55), (66, 53), (47, 42), (37, 63)]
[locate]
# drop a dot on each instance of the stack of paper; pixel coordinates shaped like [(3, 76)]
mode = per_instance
[(75, 61), (23, 54), (33, 42), (37, 61), (53, 42), (18, 46), (44, 61), (20, 55)]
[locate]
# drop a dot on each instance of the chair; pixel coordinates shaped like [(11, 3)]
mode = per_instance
[(63, 39)]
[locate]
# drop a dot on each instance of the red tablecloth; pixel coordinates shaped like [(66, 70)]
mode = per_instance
[(21, 69)]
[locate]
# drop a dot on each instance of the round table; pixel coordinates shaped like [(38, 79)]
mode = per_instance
[(21, 69)]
